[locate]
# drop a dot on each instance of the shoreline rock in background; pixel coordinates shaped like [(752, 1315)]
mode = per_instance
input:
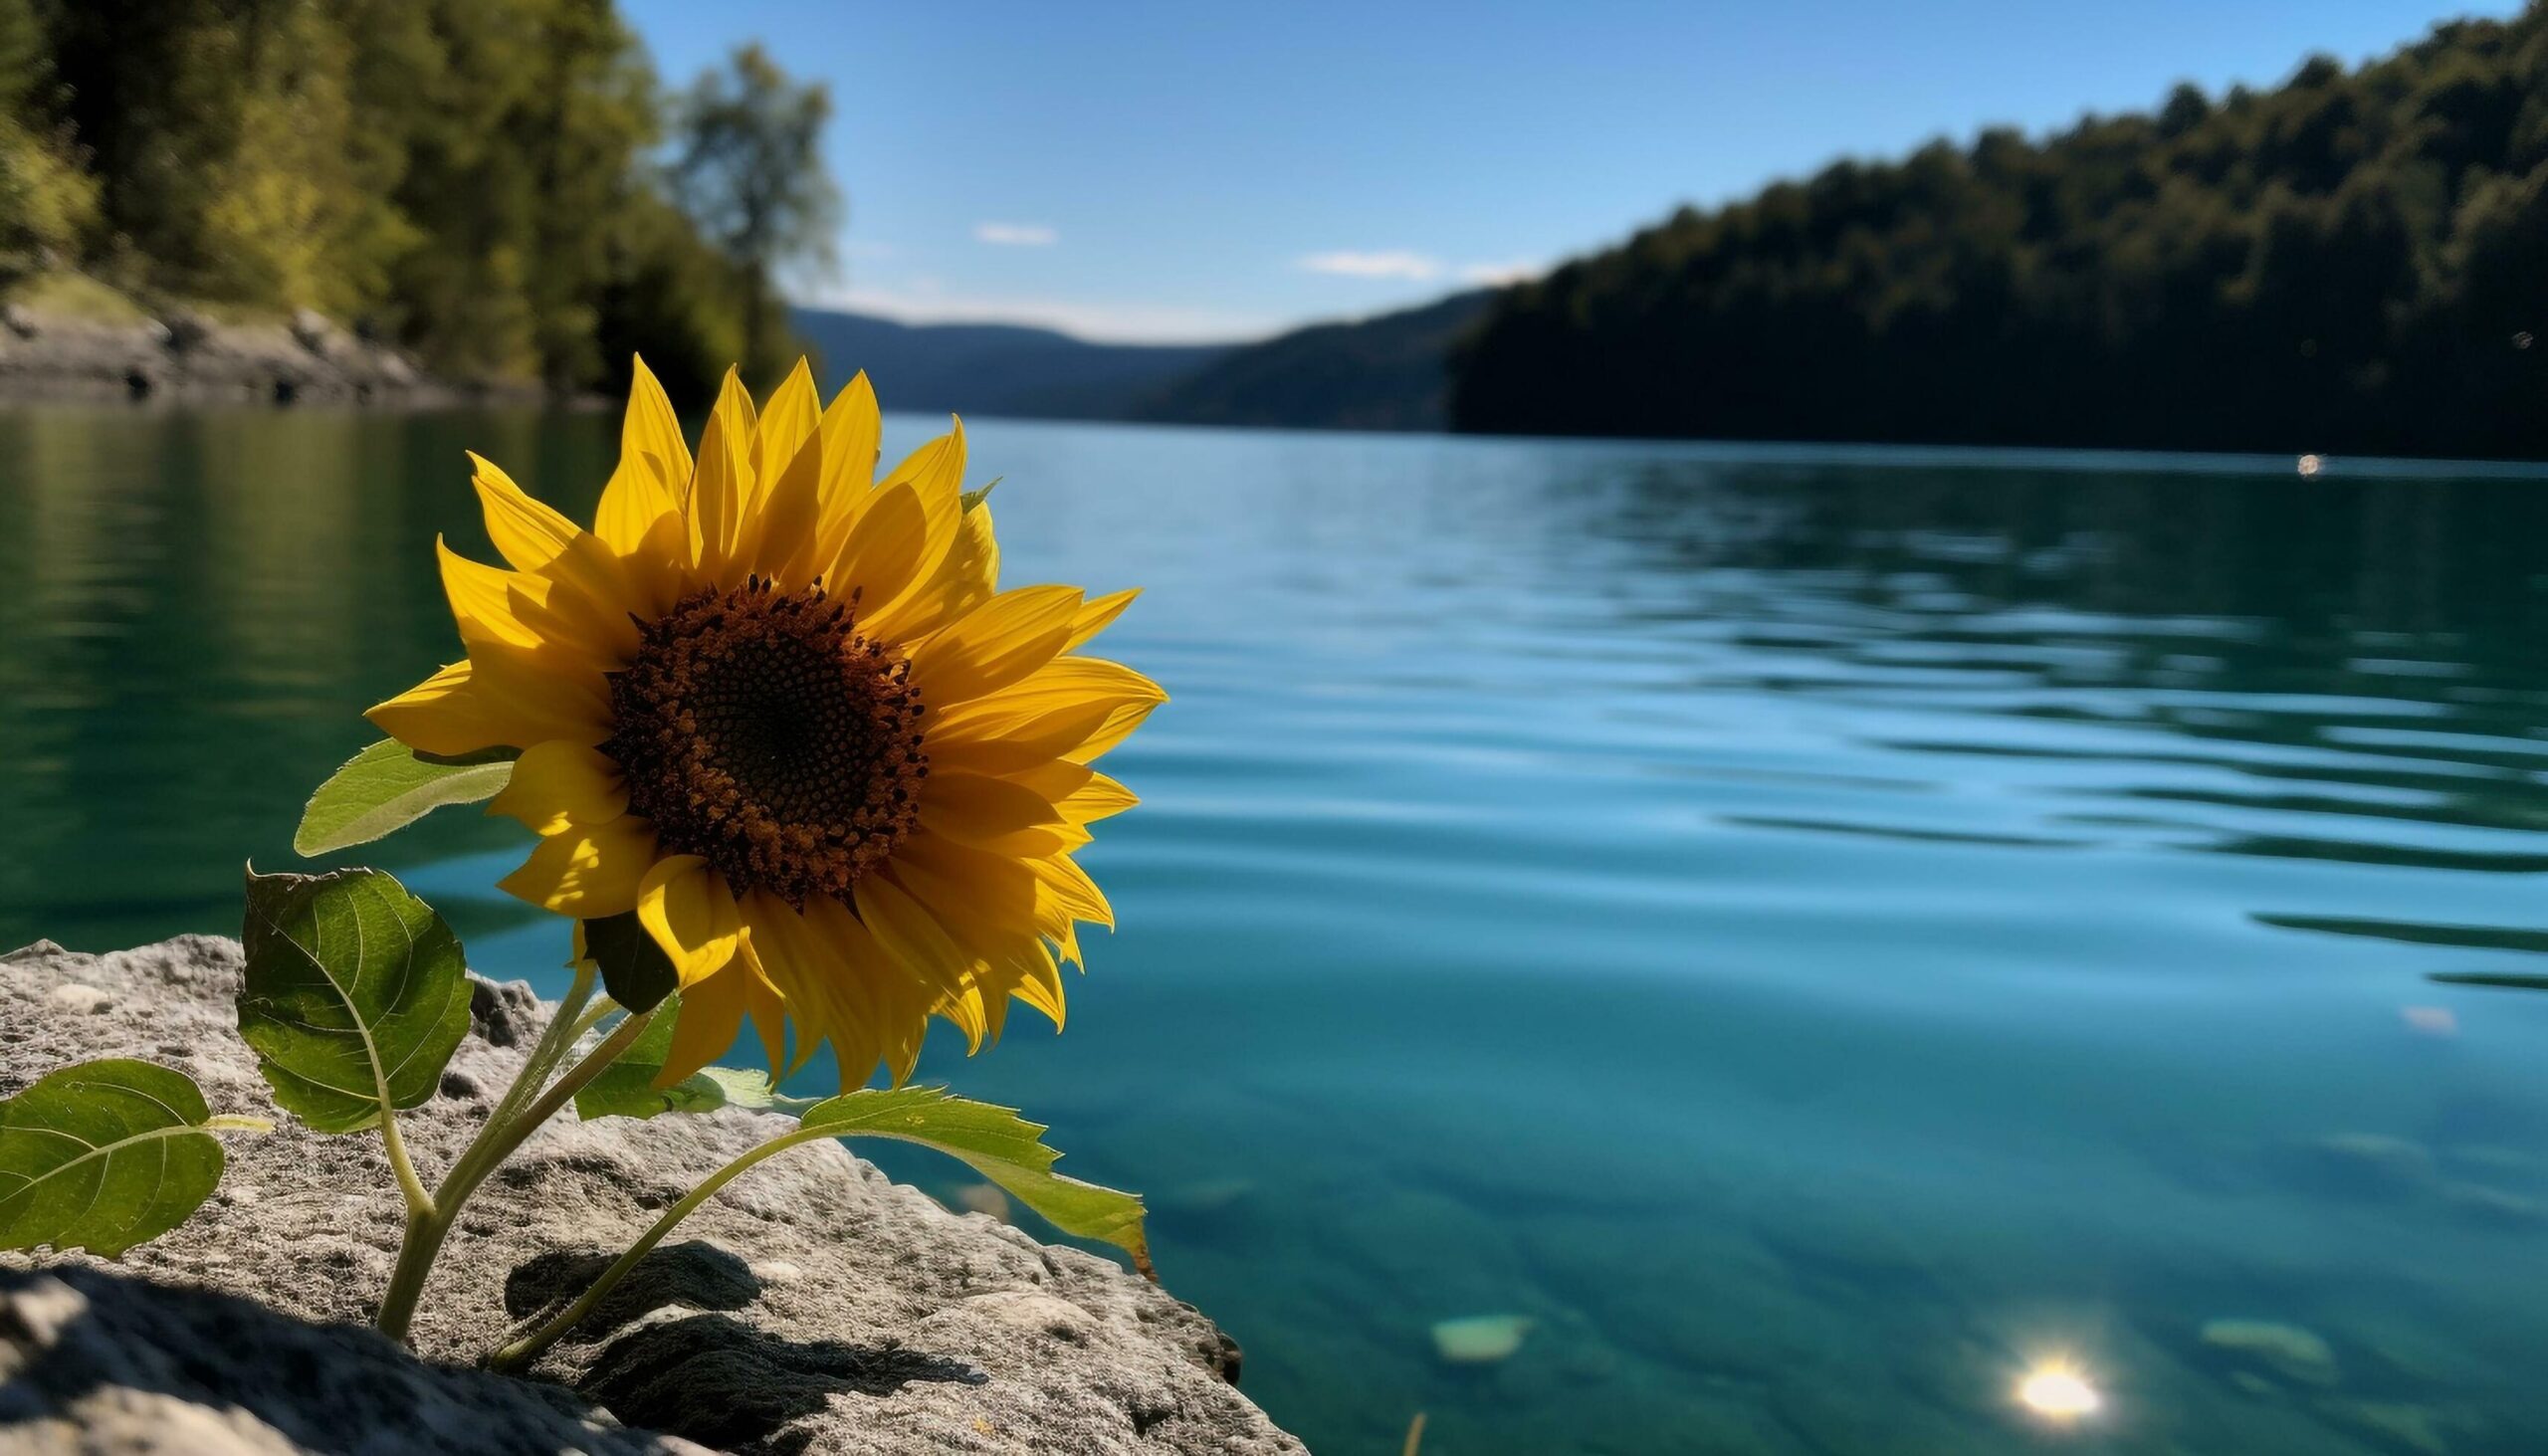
[(184, 356), (812, 1307)]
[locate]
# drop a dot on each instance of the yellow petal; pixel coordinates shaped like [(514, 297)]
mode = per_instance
[(587, 870), (851, 431), (1118, 727), (1064, 682), (439, 715), (936, 475), (562, 782), (1096, 616), (778, 541), (993, 645), (991, 813), (986, 904), (767, 1008), (879, 1010), (808, 976), (1081, 793), (686, 905), (481, 599), (529, 533), (654, 464), (537, 694), (1009, 746), (1097, 799), (786, 422), (884, 549), (910, 936), (966, 888), (965, 578), (718, 487), (1071, 889), (710, 1018)]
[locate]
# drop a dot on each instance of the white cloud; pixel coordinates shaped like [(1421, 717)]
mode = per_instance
[(1394, 264), (1497, 275), (924, 301), (1016, 235)]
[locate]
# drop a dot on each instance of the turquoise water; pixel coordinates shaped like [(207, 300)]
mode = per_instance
[(1813, 932)]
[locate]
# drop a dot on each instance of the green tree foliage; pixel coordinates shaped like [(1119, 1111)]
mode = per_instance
[(48, 205), (746, 168), (2353, 262), (478, 179)]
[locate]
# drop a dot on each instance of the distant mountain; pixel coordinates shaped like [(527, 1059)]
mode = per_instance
[(1390, 372), (995, 368)]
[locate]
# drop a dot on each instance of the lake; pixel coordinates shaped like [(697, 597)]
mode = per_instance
[(1817, 933)]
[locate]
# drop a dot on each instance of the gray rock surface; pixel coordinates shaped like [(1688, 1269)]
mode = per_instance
[(811, 1307), (100, 1364), (190, 359)]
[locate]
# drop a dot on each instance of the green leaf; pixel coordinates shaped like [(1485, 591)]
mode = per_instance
[(978, 494), (995, 1143), (356, 995), (104, 1155), (634, 969), (389, 786), (626, 1088), (755, 1090)]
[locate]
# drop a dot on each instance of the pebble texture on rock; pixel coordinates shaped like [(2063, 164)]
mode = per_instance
[(811, 1307)]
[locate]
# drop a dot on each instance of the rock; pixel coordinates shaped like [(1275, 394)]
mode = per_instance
[(311, 330), (73, 997), (507, 1014), (1480, 1340), (907, 1329), (96, 1364), (2286, 1351), (20, 320), (185, 328)]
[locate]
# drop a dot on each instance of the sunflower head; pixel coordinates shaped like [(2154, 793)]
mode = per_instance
[(782, 710)]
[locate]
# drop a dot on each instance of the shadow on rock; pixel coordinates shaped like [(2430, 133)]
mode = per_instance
[(91, 1360), (691, 1275), (724, 1384)]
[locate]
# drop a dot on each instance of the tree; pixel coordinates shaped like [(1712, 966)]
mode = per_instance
[(2349, 262), (747, 168)]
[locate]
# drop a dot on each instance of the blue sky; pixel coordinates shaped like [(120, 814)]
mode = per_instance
[(1207, 170)]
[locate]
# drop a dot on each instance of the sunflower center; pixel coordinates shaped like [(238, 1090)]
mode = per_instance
[(759, 730)]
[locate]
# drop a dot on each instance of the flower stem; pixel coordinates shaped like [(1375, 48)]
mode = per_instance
[(419, 1202), (522, 1352), (429, 1222)]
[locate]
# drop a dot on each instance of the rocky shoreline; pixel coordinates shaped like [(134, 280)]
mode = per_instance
[(812, 1307), (187, 357)]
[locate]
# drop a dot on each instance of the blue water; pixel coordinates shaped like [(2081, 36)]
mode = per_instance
[(1815, 931)]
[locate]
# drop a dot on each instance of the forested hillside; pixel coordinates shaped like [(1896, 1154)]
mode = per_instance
[(501, 185), (1381, 373), (2354, 261)]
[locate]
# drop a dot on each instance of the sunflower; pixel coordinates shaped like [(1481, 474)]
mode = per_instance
[(784, 712)]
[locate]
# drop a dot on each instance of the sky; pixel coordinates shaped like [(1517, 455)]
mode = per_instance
[(1202, 170)]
